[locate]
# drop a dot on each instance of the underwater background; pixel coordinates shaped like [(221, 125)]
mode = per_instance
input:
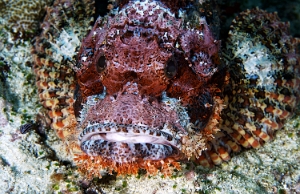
[(33, 159)]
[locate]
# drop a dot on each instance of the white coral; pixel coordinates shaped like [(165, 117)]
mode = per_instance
[(65, 46)]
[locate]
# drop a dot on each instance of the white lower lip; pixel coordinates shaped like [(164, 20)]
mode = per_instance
[(132, 134), (129, 138)]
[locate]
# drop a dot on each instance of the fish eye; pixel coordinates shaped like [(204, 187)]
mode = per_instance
[(101, 64), (171, 68)]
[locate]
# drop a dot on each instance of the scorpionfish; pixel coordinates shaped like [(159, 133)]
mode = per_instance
[(147, 90)]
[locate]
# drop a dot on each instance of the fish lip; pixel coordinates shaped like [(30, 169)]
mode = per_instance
[(128, 133)]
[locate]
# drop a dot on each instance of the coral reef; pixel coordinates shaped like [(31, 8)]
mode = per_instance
[(24, 17), (288, 11), (36, 162)]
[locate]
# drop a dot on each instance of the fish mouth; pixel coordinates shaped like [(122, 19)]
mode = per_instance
[(128, 142)]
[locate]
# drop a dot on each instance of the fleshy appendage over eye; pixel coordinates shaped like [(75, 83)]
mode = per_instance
[(101, 64), (171, 68)]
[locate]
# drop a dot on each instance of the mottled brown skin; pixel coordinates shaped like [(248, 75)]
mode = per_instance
[(144, 50), (137, 55), (145, 59)]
